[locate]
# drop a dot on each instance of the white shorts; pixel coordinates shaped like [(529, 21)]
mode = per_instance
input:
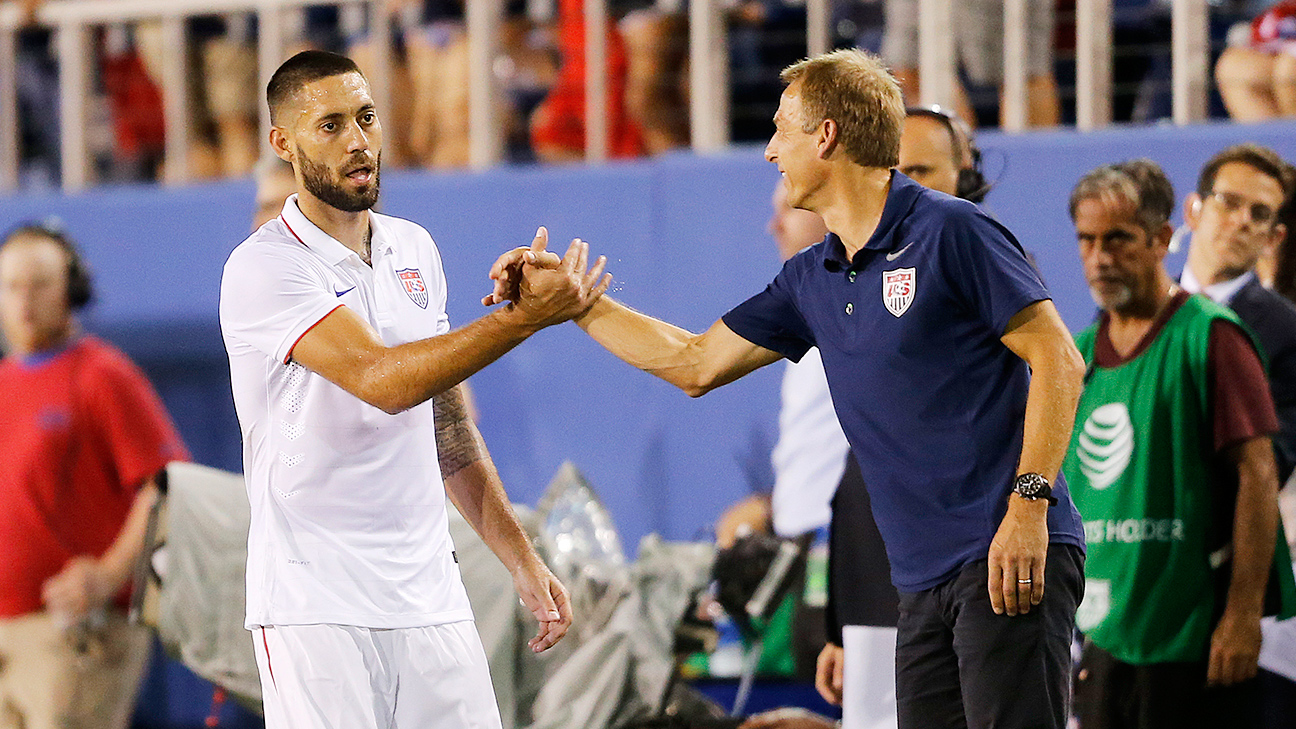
[(868, 678), (344, 677)]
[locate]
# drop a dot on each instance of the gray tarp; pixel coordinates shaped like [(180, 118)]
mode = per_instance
[(615, 675)]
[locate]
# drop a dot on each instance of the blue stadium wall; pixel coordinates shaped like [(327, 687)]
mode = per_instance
[(686, 240)]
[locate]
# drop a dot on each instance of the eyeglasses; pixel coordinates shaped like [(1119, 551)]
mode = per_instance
[(1259, 213)]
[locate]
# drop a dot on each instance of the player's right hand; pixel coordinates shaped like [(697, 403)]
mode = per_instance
[(548, 295), (828, 673), (506, 272)]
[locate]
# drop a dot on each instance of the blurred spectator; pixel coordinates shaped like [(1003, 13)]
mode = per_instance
[(1172, 468), (430, 126), (135, 101), (1234, 218), (558, 125), (656, 93), (38, 103), (1257, 79), (978, 38), (274, 183), (83, 438)]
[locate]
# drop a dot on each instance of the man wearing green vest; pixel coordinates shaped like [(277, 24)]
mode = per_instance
[(1173, 472)]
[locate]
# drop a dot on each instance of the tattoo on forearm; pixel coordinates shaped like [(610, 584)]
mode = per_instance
[(458, 442)]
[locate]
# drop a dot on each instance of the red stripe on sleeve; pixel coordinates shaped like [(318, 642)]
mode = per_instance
[(303, 334)]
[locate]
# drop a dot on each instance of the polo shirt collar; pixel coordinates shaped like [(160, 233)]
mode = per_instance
[(328, 247), (901, 196)]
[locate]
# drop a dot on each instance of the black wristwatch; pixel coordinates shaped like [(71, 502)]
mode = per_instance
[(1032, 486)]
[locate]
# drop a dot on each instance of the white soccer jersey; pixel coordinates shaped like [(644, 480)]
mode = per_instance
[(348, 507)]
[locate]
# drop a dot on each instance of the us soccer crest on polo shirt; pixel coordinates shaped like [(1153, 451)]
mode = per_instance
[(898, 289), (412, 281)]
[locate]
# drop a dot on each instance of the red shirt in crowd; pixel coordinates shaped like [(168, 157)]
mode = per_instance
[(81, 429)]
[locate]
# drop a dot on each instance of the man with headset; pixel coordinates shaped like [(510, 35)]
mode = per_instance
[(82, 439), (938, 151)]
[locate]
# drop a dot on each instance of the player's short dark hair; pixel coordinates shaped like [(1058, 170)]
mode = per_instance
[(1263, 159), (1137, 182), (303, 68)]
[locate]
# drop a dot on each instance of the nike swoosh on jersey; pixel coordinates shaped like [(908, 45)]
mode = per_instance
[(896, 254), (345, 291)]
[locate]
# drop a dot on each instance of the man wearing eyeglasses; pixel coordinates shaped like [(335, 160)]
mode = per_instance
[(1234, 221)]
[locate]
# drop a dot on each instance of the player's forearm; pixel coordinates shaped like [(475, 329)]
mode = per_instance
[(654, 346), (472, 482), (478, 493), (118, 563), (1255, 527), (400, 377)]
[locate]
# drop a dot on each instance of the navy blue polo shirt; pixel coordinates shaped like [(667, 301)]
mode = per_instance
[(931, 400)]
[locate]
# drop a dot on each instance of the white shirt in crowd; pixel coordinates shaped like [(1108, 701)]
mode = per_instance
[(1221, 293), (810, 456), (349, 520)]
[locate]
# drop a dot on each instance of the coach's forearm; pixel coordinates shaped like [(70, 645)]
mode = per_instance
[(660, 349), (1056, 383)]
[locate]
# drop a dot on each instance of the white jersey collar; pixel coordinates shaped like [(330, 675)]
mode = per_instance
[(328, 247)]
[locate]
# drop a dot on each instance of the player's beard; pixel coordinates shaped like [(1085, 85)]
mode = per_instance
[(321, 181)]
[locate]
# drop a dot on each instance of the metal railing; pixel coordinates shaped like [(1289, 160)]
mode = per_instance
[(73, 21)]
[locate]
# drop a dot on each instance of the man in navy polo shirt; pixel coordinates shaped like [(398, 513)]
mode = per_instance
[(955, 382)]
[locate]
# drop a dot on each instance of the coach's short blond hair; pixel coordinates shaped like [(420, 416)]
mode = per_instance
[(854, 89)]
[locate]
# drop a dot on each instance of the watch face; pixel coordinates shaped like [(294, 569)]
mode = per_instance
[(1031, 485)]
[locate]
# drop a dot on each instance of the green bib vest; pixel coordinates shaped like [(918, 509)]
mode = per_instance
[(1139, 469)]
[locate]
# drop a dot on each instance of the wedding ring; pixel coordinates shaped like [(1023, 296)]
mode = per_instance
[(1024, 582)]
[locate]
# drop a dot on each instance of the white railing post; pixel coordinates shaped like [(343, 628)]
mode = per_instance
[(74, 94), (1015, 71), (596, 81), (936, 66), (1093, 63), (818, 27), (175, 98), (270, 53), (1190, 51), (708, 76), (9, 141), (380, 40), (485, 142)]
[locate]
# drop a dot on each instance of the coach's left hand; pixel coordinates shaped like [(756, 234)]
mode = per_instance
[(547, 599), (1017, 556)]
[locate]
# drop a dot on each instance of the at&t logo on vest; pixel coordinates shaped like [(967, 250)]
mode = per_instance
[(1105, 444)]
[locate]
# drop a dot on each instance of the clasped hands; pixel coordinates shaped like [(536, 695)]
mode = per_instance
[(545, 288)]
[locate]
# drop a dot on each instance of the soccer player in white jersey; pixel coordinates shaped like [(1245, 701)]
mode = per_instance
[(346, 378)]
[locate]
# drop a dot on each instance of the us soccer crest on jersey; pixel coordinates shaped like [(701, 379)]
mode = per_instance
[(412, 281), (898, 288)]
